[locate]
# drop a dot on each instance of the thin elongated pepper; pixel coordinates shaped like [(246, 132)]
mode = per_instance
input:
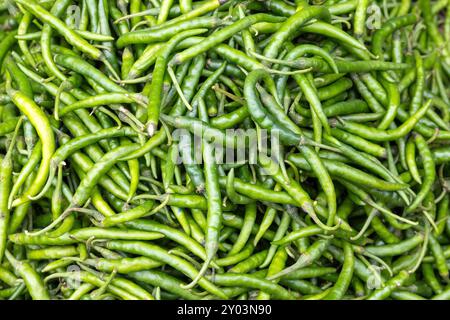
[(40, 122), (386, 135), (391, 285), (222, 35), (32, 279), (291, 25), (56, 23)]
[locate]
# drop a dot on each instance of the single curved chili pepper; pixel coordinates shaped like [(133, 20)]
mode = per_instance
[(411, 160), (161, 33), (430, 172), (87, 277), (293, 189), (165, 281), (232, 194), (237, 257), (236, 279), (214, 215), (359, 19), (386, 135), (442, 296), (391, 284), (6, 44), (57, 10), (31, 278), (155, 97), (26, 171), (189, 85), (281, 230), (191, 10), (129, 215), (222, 35), (442, 215), (6, 167), (41, 123), (346, 172)]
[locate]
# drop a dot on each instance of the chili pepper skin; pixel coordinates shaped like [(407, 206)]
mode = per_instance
[(157, 79), (253, 282), (42, 125), (397, 248), (388, 28), (6, 179), (154, 251), (386, 135), (391, 285), (345, 276), (216, 149), (72, 38), (165, 281), (290, 25), (161, 34), (429, 168), (221, 36), (103, 165), (32, 280)]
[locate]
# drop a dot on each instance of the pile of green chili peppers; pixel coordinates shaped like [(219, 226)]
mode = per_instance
[(346, 197)]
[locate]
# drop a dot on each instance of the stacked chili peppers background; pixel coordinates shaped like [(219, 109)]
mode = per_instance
[(348, 198)]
